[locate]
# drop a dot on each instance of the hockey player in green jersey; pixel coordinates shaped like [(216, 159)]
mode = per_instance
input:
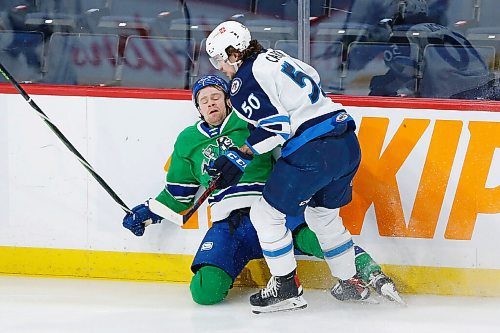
[(232, 241)]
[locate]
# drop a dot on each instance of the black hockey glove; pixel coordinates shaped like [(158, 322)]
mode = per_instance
[(229, 167)]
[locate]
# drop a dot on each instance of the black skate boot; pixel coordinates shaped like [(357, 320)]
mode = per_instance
[(281, 293), (351, 289), (385, 287)]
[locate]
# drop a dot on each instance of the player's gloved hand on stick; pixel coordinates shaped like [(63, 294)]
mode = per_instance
[(229, 167), (140, 217)]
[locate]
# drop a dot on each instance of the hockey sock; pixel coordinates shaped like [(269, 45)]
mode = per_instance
[(365, 265), (306, 241), (210, 285)]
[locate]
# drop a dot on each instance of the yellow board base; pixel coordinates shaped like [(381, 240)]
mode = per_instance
[(46, 262)]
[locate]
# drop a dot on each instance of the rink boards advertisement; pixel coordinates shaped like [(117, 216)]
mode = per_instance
[(426, 199)]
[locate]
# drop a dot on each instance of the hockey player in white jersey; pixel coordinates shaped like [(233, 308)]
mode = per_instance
[(283, 100)]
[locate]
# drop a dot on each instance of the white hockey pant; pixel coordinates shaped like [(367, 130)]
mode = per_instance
[(274, 237), (335, 240)]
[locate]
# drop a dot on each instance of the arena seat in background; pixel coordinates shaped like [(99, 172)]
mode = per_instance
[(485, 36), (157, 62), (82, 59), (272, 29), (21, 53), (326, 58), (448, 70), (488, 15), (131, 17), (366, 60), (65, 16), (287, 10)]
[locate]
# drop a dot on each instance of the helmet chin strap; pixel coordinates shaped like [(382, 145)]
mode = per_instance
[(236, 64)]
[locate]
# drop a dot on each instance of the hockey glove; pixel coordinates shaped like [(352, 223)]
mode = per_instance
[(229, 167), (140, 217)]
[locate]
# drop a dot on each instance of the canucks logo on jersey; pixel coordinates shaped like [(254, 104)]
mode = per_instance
[(212, 152)]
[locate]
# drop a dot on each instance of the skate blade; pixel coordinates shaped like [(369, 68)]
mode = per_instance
[(295, 303), (389, 291)]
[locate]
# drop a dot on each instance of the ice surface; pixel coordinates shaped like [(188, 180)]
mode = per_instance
[(69, 305)]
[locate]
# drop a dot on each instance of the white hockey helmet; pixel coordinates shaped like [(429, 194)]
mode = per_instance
[(228, 33)]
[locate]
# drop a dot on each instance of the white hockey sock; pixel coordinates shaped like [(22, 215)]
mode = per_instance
[(274, 237), (335, 240)]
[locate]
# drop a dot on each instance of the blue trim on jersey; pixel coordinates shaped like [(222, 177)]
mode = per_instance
[(178, 190), (251, 148), (260, 135), (339, 250), (277, 253), (274, 120), (211, 131), (234, 190), (315, 131)]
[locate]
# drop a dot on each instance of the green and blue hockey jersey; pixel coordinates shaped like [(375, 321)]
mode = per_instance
[(195, 149)]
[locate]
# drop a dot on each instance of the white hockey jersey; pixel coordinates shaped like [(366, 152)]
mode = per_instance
[(282, 98)]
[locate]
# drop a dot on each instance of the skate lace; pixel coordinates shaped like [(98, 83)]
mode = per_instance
[(271, 289)]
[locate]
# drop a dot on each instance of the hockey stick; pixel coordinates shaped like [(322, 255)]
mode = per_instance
[(61, 136), (180, 219)]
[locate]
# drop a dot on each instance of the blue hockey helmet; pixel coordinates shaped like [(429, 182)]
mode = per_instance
[(209, 80)]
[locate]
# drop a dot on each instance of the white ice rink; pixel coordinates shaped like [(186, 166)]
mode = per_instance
[(65, 305)]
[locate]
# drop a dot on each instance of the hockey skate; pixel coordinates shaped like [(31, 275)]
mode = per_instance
[(282, 293), (385, 287), (352, 289)]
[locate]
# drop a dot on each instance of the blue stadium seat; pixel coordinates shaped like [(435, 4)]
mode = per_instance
[(287, 9), (82, 59), (21, 53), (130, 17), (197, 28), (4, 21), (449, 70), (485, 36), (326, 58), (365, 61), (341, 32), (290, 47), (64, 16), (157, 62), (272, 29), (488, 14), (456, 14)]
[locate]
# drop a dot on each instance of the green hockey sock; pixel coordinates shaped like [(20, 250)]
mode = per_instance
[(306, 241), (210, 285), (365, 265)]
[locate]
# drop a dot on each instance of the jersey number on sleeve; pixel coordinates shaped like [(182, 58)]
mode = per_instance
[(300, 78)]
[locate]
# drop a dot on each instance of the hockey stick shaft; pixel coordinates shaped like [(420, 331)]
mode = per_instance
[(180, 219), (200, 201), (63, 138)]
